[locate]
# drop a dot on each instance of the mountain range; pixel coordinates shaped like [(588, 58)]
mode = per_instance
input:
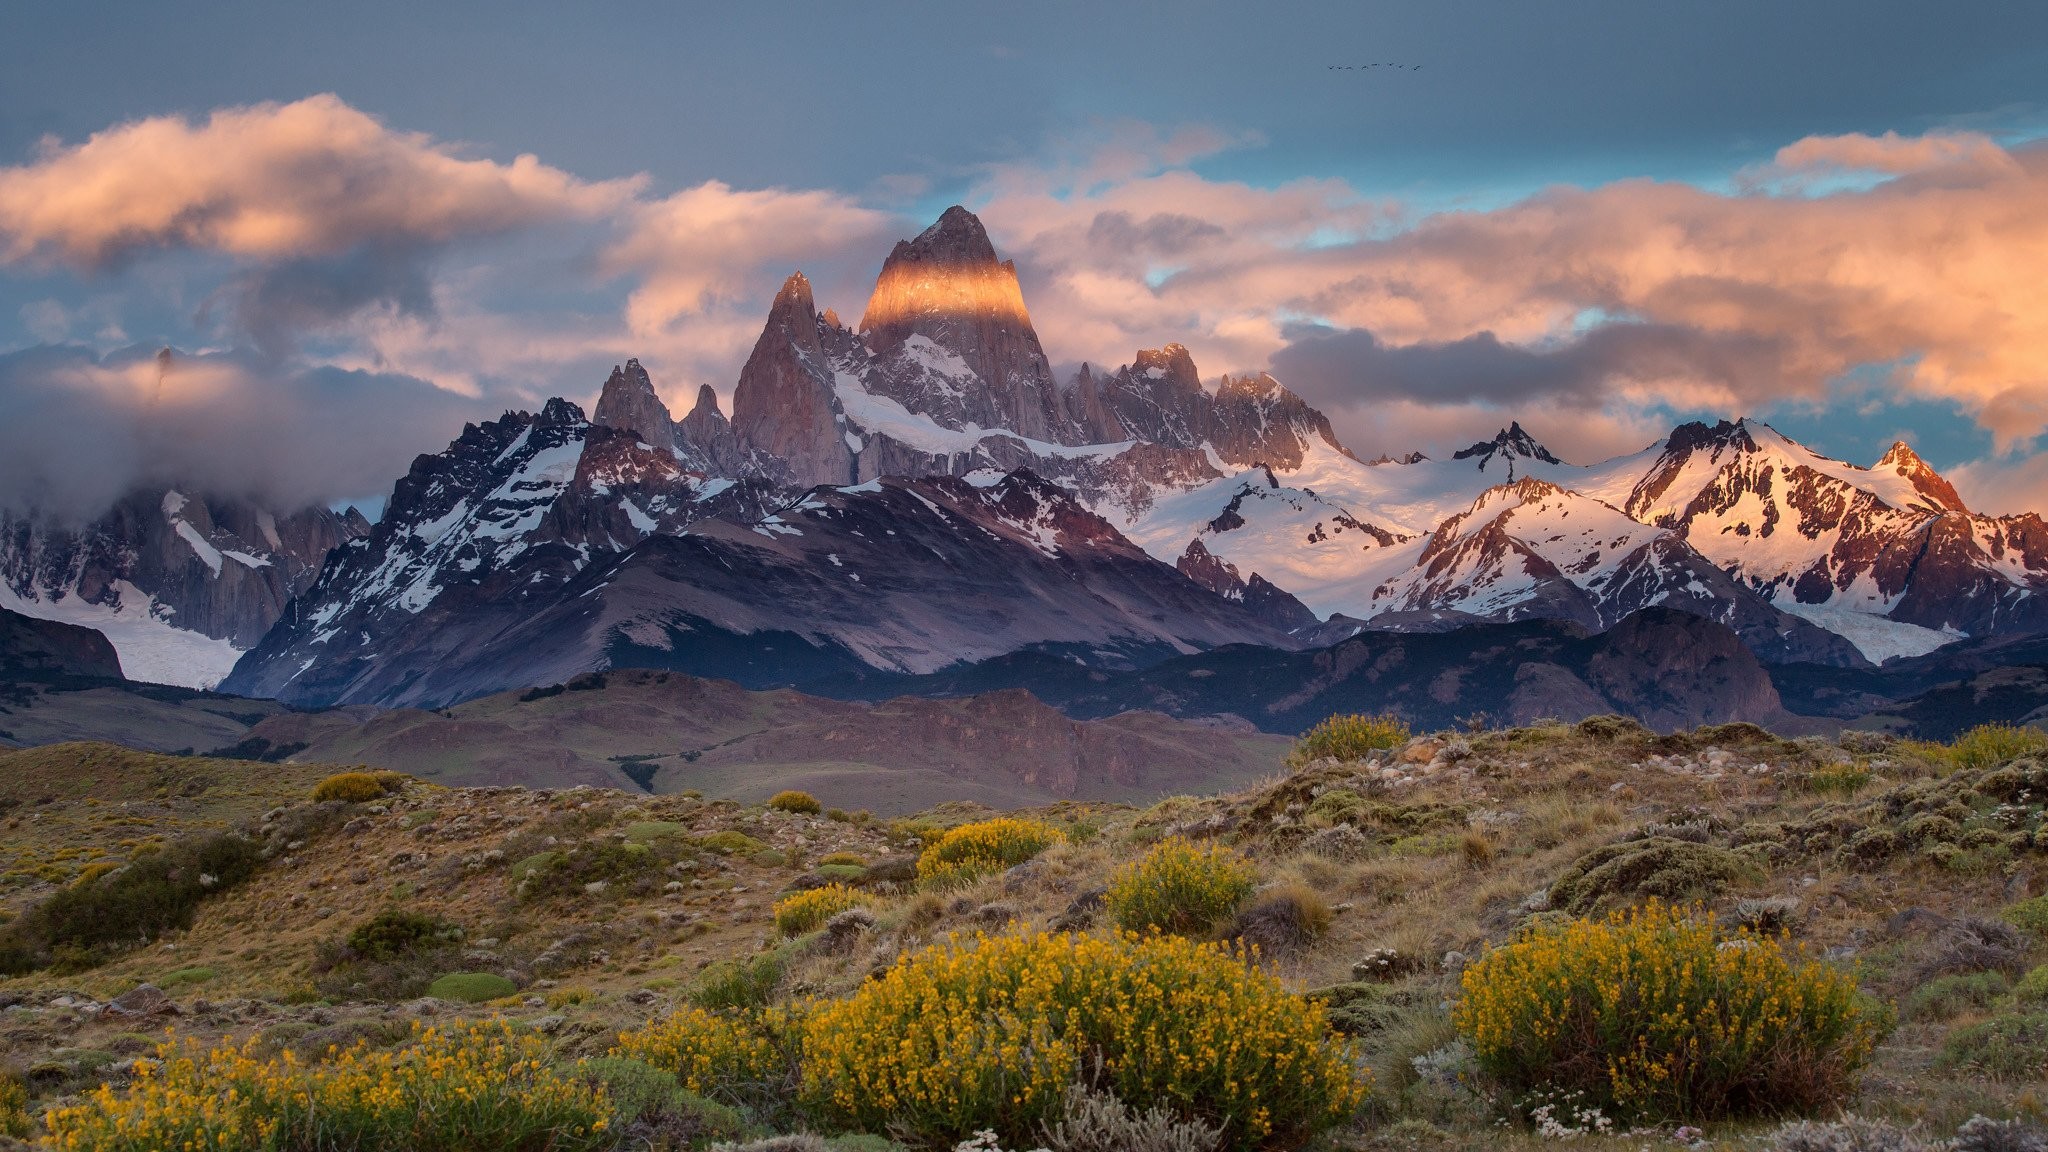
[(918, 495)]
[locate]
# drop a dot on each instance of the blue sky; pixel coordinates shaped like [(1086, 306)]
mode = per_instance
[(1242, 162)]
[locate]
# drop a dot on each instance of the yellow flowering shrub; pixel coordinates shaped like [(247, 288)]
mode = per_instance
[(800, 912), (1350, 738), (990, 1033), (1657, 1014), (1984, 746), (1179, 886), (972, 851), (14, 1119), (735, 1058), (791, 800), (470, 1088), (353, 787)]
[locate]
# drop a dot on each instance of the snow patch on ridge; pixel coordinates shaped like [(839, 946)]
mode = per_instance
[(151, 648)]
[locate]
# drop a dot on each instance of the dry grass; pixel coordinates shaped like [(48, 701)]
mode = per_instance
[(1445, 863)]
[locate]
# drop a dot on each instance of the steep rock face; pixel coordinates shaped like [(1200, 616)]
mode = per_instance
[(705, 438), (1504, 451), (1843, 545), (37, 648), (179, 582), (785, 412), (1252, 420), (951, 338), (895, 576), (629, 403), (1531, 549), (508, 514)]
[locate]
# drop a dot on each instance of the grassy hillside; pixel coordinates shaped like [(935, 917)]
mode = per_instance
[(1374, 880)]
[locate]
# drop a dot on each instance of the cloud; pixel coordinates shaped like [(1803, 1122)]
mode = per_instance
[(711, 247), (1630, 293), (1893, 154), (81, 430), (330, 210), (272, 182)]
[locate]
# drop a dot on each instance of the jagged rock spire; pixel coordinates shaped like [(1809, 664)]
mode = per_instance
[(629, 403), (948, 287)]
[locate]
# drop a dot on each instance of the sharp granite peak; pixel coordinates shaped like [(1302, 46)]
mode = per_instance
[(919, 491)]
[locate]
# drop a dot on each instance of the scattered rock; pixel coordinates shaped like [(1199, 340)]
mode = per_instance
[(146, 1000)]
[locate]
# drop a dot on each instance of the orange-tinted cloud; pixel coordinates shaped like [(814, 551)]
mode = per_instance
[(1935, 269), (273, 182)]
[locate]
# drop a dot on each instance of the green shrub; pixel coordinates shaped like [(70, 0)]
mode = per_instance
[(2030, 916), (1947, 997), (791, 800), (471, 987), (732, 843), (647, 831), (654, 1111), (171, 981), (571, 871), (2033, 987), (1657, 1015), (971, 851), (352, 788), (1655, 867), (738, 984), (2010, 1048), (990, 1035), (1180, 888), (83, 924), (1350, 738), (396, 932)]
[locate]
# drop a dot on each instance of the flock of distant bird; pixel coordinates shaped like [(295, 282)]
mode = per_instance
[(1363, 67)]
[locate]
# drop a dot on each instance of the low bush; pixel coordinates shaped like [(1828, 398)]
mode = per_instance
[(729, 842), (472, 1088), (991, 1034), (2010, 1048), (1987, 745), (738, 984), (471, 987), (1948, 997), (1180, 887), (1656, 1014), (2029, 916), (739, 1058), (1282, 921), (1350, 738), (1656, 867), (791, 800), (357, 787), (971, 851), (1099, 1122), (801, 912), (87, 922), (14, 1118), (396, 932), (572, 871), (2033, 987), (653, 1112)]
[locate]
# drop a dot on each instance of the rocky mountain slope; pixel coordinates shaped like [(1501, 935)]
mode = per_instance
[(539, 546), (899, 575), (180, 583)]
